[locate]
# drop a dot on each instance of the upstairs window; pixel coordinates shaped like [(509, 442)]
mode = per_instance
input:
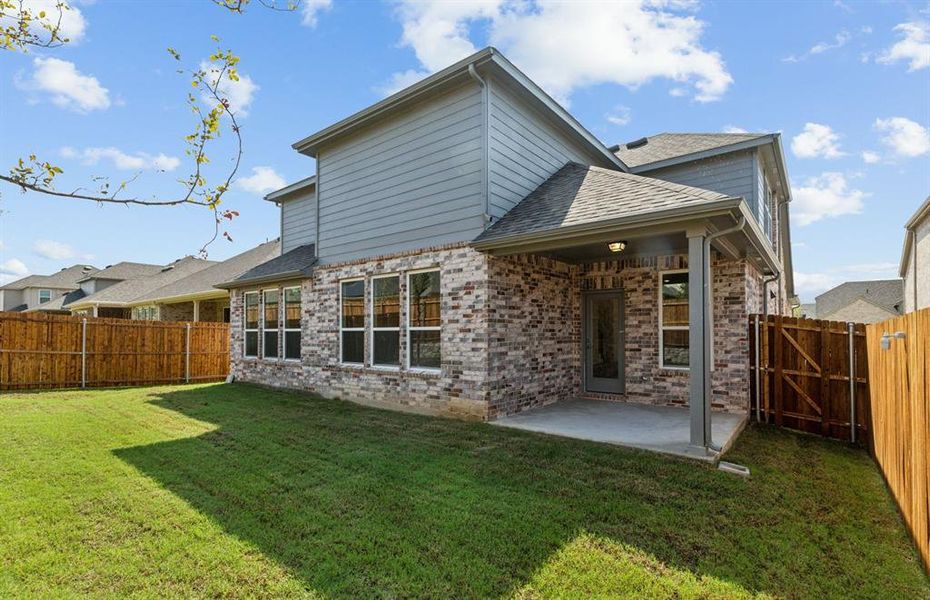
[(270, 317), (385, 321), (424, 342), (45, 296), (292, 323), (251, 324), (673, 320), (352, 321)]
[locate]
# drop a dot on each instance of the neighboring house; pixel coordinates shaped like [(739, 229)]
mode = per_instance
[(110, 292), (38, 292), (808, 310), (915, 259), (194, 297), (862, 301), (468, 248)]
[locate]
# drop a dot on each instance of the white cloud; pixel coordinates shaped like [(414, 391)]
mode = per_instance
[(311, 9), (121, 160), (809, 285), (905, 137), (14, 267), (57, 250), (889, 269), (239, 93), (733, 129), (564, 46), (839, 40), (68, 87), (262, 181), (816, 141), (827, 195), (69, 19), (914, 46), (620, 115), (53, 250), (870, 157)]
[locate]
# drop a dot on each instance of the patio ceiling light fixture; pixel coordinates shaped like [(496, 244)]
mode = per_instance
[(617, 246)]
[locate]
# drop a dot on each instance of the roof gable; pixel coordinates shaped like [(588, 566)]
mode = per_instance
[(666, 146), (885, 293)]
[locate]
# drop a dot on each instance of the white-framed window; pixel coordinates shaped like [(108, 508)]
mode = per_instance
[(145, 313), (352, 321), (271, 320), (385, 321), (673, 320), (251, 321), (292, 323), (424, 320), (45, 296)]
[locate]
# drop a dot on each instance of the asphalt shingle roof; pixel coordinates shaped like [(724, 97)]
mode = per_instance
[(579, 195), (66, 278), (671, 145), (125, 270), (207, 279), (293, 263), (58, 304), (130, 289), (886, 293)]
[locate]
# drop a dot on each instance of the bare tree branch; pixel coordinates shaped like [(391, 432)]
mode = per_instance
[(22, 27)]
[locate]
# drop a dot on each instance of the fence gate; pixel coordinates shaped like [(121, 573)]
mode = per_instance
[(810, 375)]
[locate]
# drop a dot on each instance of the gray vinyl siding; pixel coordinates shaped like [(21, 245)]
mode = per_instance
[(298, 221), (524, 149), (731, 174), (414, 181)]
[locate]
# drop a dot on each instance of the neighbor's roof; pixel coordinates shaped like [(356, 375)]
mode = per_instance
[(64, 279), (124, 270), (466, 69), (885, 293), (922, 213), (293, 264), (579, 195), (129, 289), (58, 304), (204, 281), (666, 146)]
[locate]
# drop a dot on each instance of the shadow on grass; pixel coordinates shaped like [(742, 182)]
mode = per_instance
[(364, 502)]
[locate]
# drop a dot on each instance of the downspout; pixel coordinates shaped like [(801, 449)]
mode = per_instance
[(486, 106), (709, 299)]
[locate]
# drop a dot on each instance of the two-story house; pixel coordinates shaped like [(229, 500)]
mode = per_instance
[(466, 247), (39, 291)]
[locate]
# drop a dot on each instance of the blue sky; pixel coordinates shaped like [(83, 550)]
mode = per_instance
[(846, 83)]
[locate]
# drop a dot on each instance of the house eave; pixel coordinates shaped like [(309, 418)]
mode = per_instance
[(205, 295), (685, 158), (277, 195), (273, 278)]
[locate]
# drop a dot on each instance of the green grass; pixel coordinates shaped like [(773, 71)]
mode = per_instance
[(232, 490)]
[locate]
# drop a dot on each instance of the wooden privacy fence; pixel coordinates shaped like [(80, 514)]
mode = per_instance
[(810, 375), (899, 373), (52, 351)]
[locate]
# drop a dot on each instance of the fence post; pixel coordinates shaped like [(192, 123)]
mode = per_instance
[(187, 355), (852, 382), (84, 352), (758, 372)]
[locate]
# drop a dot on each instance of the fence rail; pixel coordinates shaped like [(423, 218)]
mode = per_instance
[(899, 370), (810, 375), (53, 351)]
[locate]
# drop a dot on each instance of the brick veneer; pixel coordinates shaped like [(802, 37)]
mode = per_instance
[(511, 334)]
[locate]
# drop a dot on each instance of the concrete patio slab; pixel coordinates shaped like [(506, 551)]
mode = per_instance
[(658, 428)]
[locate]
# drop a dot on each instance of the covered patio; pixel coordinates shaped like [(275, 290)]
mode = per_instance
[(665, 429), (632, 249)]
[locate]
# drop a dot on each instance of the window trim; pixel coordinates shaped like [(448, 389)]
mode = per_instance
[(41, 301), (342, 329), (245, 325), (263, 329), (283, 322), (410, 328), (371, 334), (663, 327)]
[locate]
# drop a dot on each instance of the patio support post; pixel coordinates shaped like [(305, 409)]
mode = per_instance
[(699, 340), (196, 311)]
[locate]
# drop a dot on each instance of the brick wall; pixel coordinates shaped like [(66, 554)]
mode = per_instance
[(511, 335)]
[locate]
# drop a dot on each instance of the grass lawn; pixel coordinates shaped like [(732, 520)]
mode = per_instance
[(232, 490)]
